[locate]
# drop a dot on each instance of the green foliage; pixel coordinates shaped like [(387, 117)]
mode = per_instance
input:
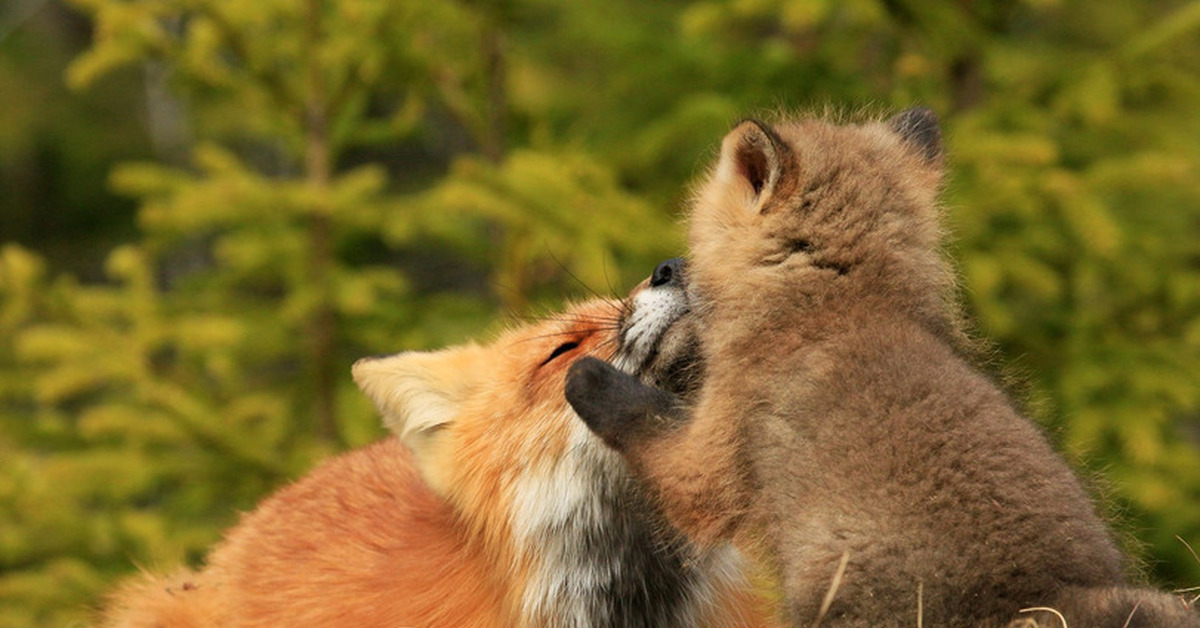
[(559, 208), (336, 179)]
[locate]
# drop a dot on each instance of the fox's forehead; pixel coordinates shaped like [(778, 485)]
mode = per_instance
[(580, 320)]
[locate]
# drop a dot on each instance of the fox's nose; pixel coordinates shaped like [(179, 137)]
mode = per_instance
[(667, 273)]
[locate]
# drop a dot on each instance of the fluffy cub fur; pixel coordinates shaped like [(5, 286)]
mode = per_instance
[(494, 507), (838, 431)]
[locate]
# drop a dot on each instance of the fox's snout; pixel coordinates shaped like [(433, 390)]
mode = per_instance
[(671, 273)]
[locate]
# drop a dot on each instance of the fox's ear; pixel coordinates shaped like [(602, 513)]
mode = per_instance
[(753, 157), (419, 393), (919, 129)]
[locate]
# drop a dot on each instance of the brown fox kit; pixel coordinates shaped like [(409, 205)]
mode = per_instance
[(494, 507), (837, 431)]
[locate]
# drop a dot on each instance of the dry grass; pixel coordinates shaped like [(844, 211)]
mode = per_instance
[(1131, 614), (1045, 609), (920, 604), (834, 585), (1026, 622), (1183, 593)]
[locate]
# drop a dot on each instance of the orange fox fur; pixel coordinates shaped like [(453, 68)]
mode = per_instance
[(361, 541), (478, 514)]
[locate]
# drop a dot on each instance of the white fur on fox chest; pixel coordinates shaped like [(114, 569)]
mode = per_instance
[(556, 508), (551, 507)]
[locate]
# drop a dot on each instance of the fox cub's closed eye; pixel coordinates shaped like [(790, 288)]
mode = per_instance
[(561, 349)]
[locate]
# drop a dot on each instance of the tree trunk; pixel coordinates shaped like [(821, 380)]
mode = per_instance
[(318, 169)]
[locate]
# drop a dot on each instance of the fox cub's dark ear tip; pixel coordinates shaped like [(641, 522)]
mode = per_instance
[(919, 128), (761, 127)]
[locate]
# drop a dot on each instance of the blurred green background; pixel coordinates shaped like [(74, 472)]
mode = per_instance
[(210, 208)]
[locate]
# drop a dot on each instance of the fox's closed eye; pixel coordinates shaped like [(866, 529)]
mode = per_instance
[(561, 349)]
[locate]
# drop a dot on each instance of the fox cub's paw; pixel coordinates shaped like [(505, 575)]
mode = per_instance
[(616, 406)]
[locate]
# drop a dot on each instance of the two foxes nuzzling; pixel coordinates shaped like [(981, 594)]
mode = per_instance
[(792, 403)]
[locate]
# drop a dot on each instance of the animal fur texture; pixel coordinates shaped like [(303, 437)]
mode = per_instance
[(493, 507), (838, 432)]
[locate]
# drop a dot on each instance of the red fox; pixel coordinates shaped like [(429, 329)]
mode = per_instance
[(495, 506)]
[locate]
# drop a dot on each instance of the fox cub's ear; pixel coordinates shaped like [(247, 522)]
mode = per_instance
[(419, 393), (919, 129), (752, 157)]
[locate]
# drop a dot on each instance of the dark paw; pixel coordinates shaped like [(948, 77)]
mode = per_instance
[(594, 391), (613, 404)]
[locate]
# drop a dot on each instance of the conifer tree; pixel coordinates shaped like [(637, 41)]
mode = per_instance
[(342, 178), (213, 363)]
